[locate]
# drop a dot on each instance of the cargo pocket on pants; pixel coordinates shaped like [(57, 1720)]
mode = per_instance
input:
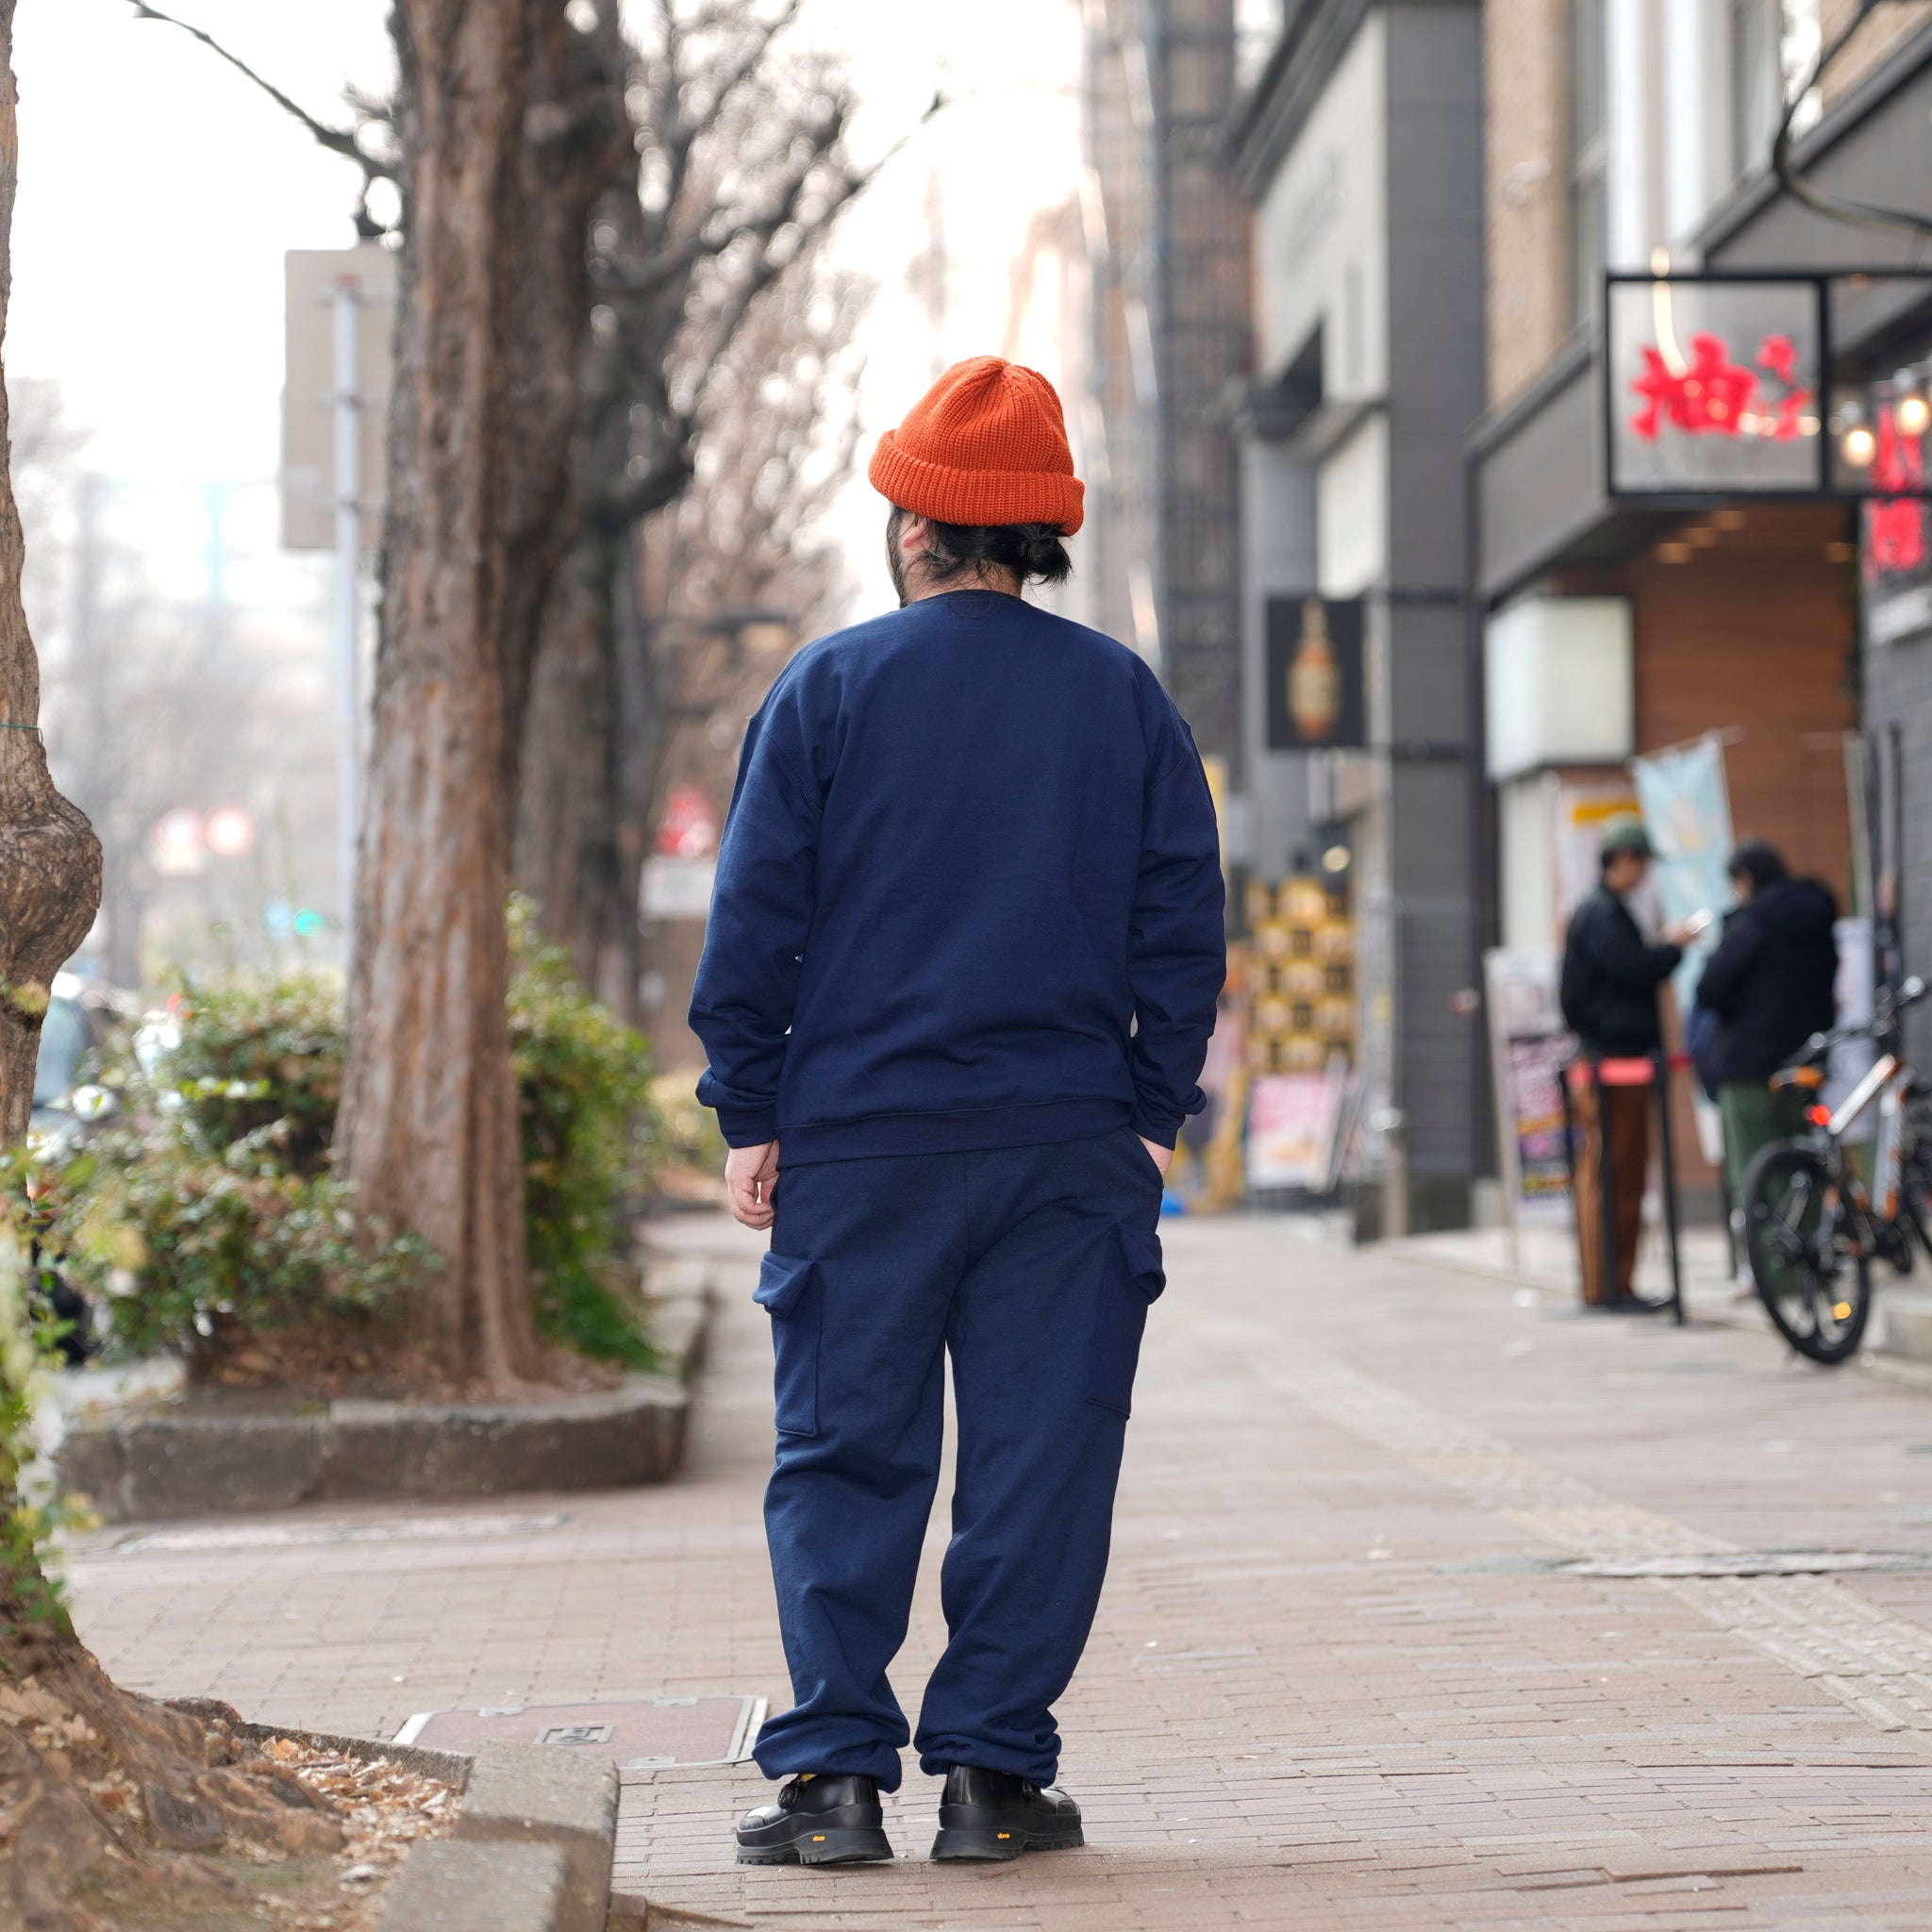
[(787, 1290), (1133, 1279)]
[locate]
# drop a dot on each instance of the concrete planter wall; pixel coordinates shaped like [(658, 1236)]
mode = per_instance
[(185, 1457)]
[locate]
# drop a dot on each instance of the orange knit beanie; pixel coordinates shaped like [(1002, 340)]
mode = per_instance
[(985, 445)]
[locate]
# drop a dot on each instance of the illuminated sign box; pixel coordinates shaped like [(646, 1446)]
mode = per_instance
[(1720, 385), (1316, 696)]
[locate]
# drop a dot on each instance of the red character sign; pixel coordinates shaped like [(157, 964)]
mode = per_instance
[(1895, 536), (1715, 397)]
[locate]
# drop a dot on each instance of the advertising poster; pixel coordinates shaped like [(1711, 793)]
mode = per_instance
[(1538, 1122), (1315, 693), (1687, 811), (1292, 1121), (1529, 1048)]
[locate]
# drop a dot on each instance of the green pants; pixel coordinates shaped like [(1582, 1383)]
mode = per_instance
[(1754, 1117)]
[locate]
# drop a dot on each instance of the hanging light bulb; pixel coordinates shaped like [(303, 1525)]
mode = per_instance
[(1859, 447), (1911, 411)]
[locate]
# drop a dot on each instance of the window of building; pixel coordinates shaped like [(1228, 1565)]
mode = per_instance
[(1588, 212), (1757, 87), (1256, 28), (1774, 47)]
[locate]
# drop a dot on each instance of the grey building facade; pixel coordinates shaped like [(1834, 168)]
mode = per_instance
[(1360, 150), (1167, 242)]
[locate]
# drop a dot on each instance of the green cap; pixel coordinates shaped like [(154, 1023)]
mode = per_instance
[(1626, 833)]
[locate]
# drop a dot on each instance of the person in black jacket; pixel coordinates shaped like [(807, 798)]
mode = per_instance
[(1611, 976), (1771, 984)]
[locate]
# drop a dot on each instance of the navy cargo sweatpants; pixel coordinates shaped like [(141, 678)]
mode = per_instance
[(1033, 1267)]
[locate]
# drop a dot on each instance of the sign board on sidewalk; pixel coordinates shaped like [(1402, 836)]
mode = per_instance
[(313, 275), (1529, 1047), (1292, 1121)]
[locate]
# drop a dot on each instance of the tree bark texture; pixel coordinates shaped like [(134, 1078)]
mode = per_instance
[(506, 141), (50, 861), (106, 1795), (564, 830), (111, 1796)]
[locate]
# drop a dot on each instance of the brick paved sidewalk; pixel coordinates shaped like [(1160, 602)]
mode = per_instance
[(1340, 1676)]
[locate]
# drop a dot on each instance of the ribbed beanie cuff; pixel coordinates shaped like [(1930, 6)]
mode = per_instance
[(986, 444)]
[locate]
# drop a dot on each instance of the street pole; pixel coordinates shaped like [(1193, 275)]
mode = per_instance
[(348, 480)]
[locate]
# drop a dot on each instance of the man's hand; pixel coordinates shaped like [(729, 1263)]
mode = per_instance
[(1161, 1157), (751, 1175)]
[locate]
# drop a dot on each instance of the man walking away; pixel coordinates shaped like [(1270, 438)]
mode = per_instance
[(956, 994), (1772, 983), (1609, 996)]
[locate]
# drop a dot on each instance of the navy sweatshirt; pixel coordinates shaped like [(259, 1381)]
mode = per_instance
[(969, 894)]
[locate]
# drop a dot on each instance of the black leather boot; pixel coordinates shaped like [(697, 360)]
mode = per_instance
[(816, 1821), (991, 1815)]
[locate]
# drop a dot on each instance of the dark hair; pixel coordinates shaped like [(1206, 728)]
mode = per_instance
[(1758, 860), (1034, 551)]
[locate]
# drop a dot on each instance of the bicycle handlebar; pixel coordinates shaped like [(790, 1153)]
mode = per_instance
[(1892, 1005)]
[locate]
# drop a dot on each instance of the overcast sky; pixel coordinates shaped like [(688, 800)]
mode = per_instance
[(159, 192)]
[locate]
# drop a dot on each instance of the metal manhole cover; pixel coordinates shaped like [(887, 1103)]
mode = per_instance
[(1757, 1563), (639, 1734)]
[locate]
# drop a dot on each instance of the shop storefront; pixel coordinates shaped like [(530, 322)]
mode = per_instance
[(1743, 453)]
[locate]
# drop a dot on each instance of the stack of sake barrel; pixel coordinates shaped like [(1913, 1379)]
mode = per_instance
[(1300, 972)]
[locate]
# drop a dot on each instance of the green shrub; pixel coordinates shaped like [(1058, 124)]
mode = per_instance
[(262, 1053), (192, 1247), (31, 1515), (209, 1214), (590, 1134)]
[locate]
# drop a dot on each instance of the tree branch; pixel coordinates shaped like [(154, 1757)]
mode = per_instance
[(620, 510), (338, 141)]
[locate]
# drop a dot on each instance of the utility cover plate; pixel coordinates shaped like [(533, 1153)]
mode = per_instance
[(1755, 1564), (640, 1733)]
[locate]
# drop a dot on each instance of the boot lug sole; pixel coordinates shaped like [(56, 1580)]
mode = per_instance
[(983, 1844), (849, 1847)]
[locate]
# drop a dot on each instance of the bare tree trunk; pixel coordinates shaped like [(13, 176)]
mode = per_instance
[(642, 735), (65, 1730), (50, 861), (504, 143), (597, 926), (566, 738), (427, 1130), (580, 841)]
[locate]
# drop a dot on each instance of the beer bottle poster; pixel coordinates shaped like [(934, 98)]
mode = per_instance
[(1315, 673)]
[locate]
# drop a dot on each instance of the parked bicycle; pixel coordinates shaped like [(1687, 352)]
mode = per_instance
[(1814, 1221)]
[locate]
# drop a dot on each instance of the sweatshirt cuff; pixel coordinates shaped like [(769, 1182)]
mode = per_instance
[(1162, 1132), (744, 1120), (743, 1130)]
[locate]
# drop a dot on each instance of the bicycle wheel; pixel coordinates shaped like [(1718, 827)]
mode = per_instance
[(1818, 1294)]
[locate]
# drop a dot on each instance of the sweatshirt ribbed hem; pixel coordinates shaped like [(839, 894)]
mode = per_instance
[(950, 1133)]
